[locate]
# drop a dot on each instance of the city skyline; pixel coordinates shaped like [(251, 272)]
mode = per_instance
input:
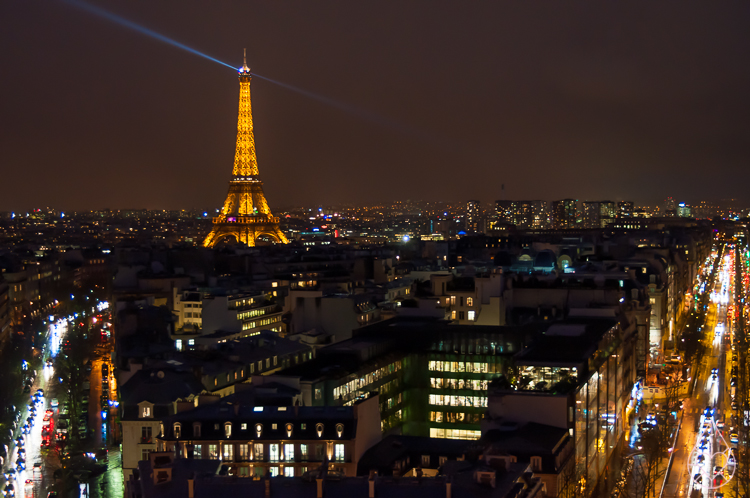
[(569, 108)]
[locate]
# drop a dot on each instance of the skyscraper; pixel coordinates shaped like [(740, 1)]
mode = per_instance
[(670, 207), (473, 216), (598, 214), (564, 213)]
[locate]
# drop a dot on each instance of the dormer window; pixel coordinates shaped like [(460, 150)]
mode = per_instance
[(147, 411), (197, 429), (339, 429), (177, 430), (258, 429), (228, 429), (319, 429), (289, 428)]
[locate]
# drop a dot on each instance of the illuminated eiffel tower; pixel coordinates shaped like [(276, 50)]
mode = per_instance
[(245, 215)]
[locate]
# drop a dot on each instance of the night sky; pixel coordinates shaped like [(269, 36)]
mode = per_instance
[(448, 100)]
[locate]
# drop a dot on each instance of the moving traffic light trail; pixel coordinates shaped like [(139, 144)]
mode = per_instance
[(369, 116)]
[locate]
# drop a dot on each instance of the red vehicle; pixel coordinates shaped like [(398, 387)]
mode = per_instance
[(48, 429), (48, 425)]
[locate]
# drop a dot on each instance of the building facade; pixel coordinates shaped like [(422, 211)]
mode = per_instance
[(259, 441)]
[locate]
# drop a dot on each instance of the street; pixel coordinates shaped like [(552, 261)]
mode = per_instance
[(33, 467), (701, 461)]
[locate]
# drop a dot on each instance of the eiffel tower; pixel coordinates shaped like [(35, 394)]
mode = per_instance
[(245, 216)]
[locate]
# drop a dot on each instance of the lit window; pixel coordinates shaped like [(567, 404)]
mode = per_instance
[(469, 301), (471, 315), (273, 450), (339, 452), (228, 453)]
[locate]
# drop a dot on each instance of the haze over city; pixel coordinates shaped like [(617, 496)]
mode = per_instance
[(446, 101)]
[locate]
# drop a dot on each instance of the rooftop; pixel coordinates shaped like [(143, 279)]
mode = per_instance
[(570, 342)]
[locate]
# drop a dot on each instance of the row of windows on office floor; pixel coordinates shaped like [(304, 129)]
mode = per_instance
[(356, 384), (257, 452), (456, 400), (463, 366), (443, 383), (456, 417), (353, 396)]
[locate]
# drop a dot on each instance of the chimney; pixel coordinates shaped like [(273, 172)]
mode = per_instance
[(371, 485), (268, 488), (448, 485), (191, 487), (320, 488)]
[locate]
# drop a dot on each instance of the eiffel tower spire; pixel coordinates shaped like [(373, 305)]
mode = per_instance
[(245, 162), (245, 215)]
